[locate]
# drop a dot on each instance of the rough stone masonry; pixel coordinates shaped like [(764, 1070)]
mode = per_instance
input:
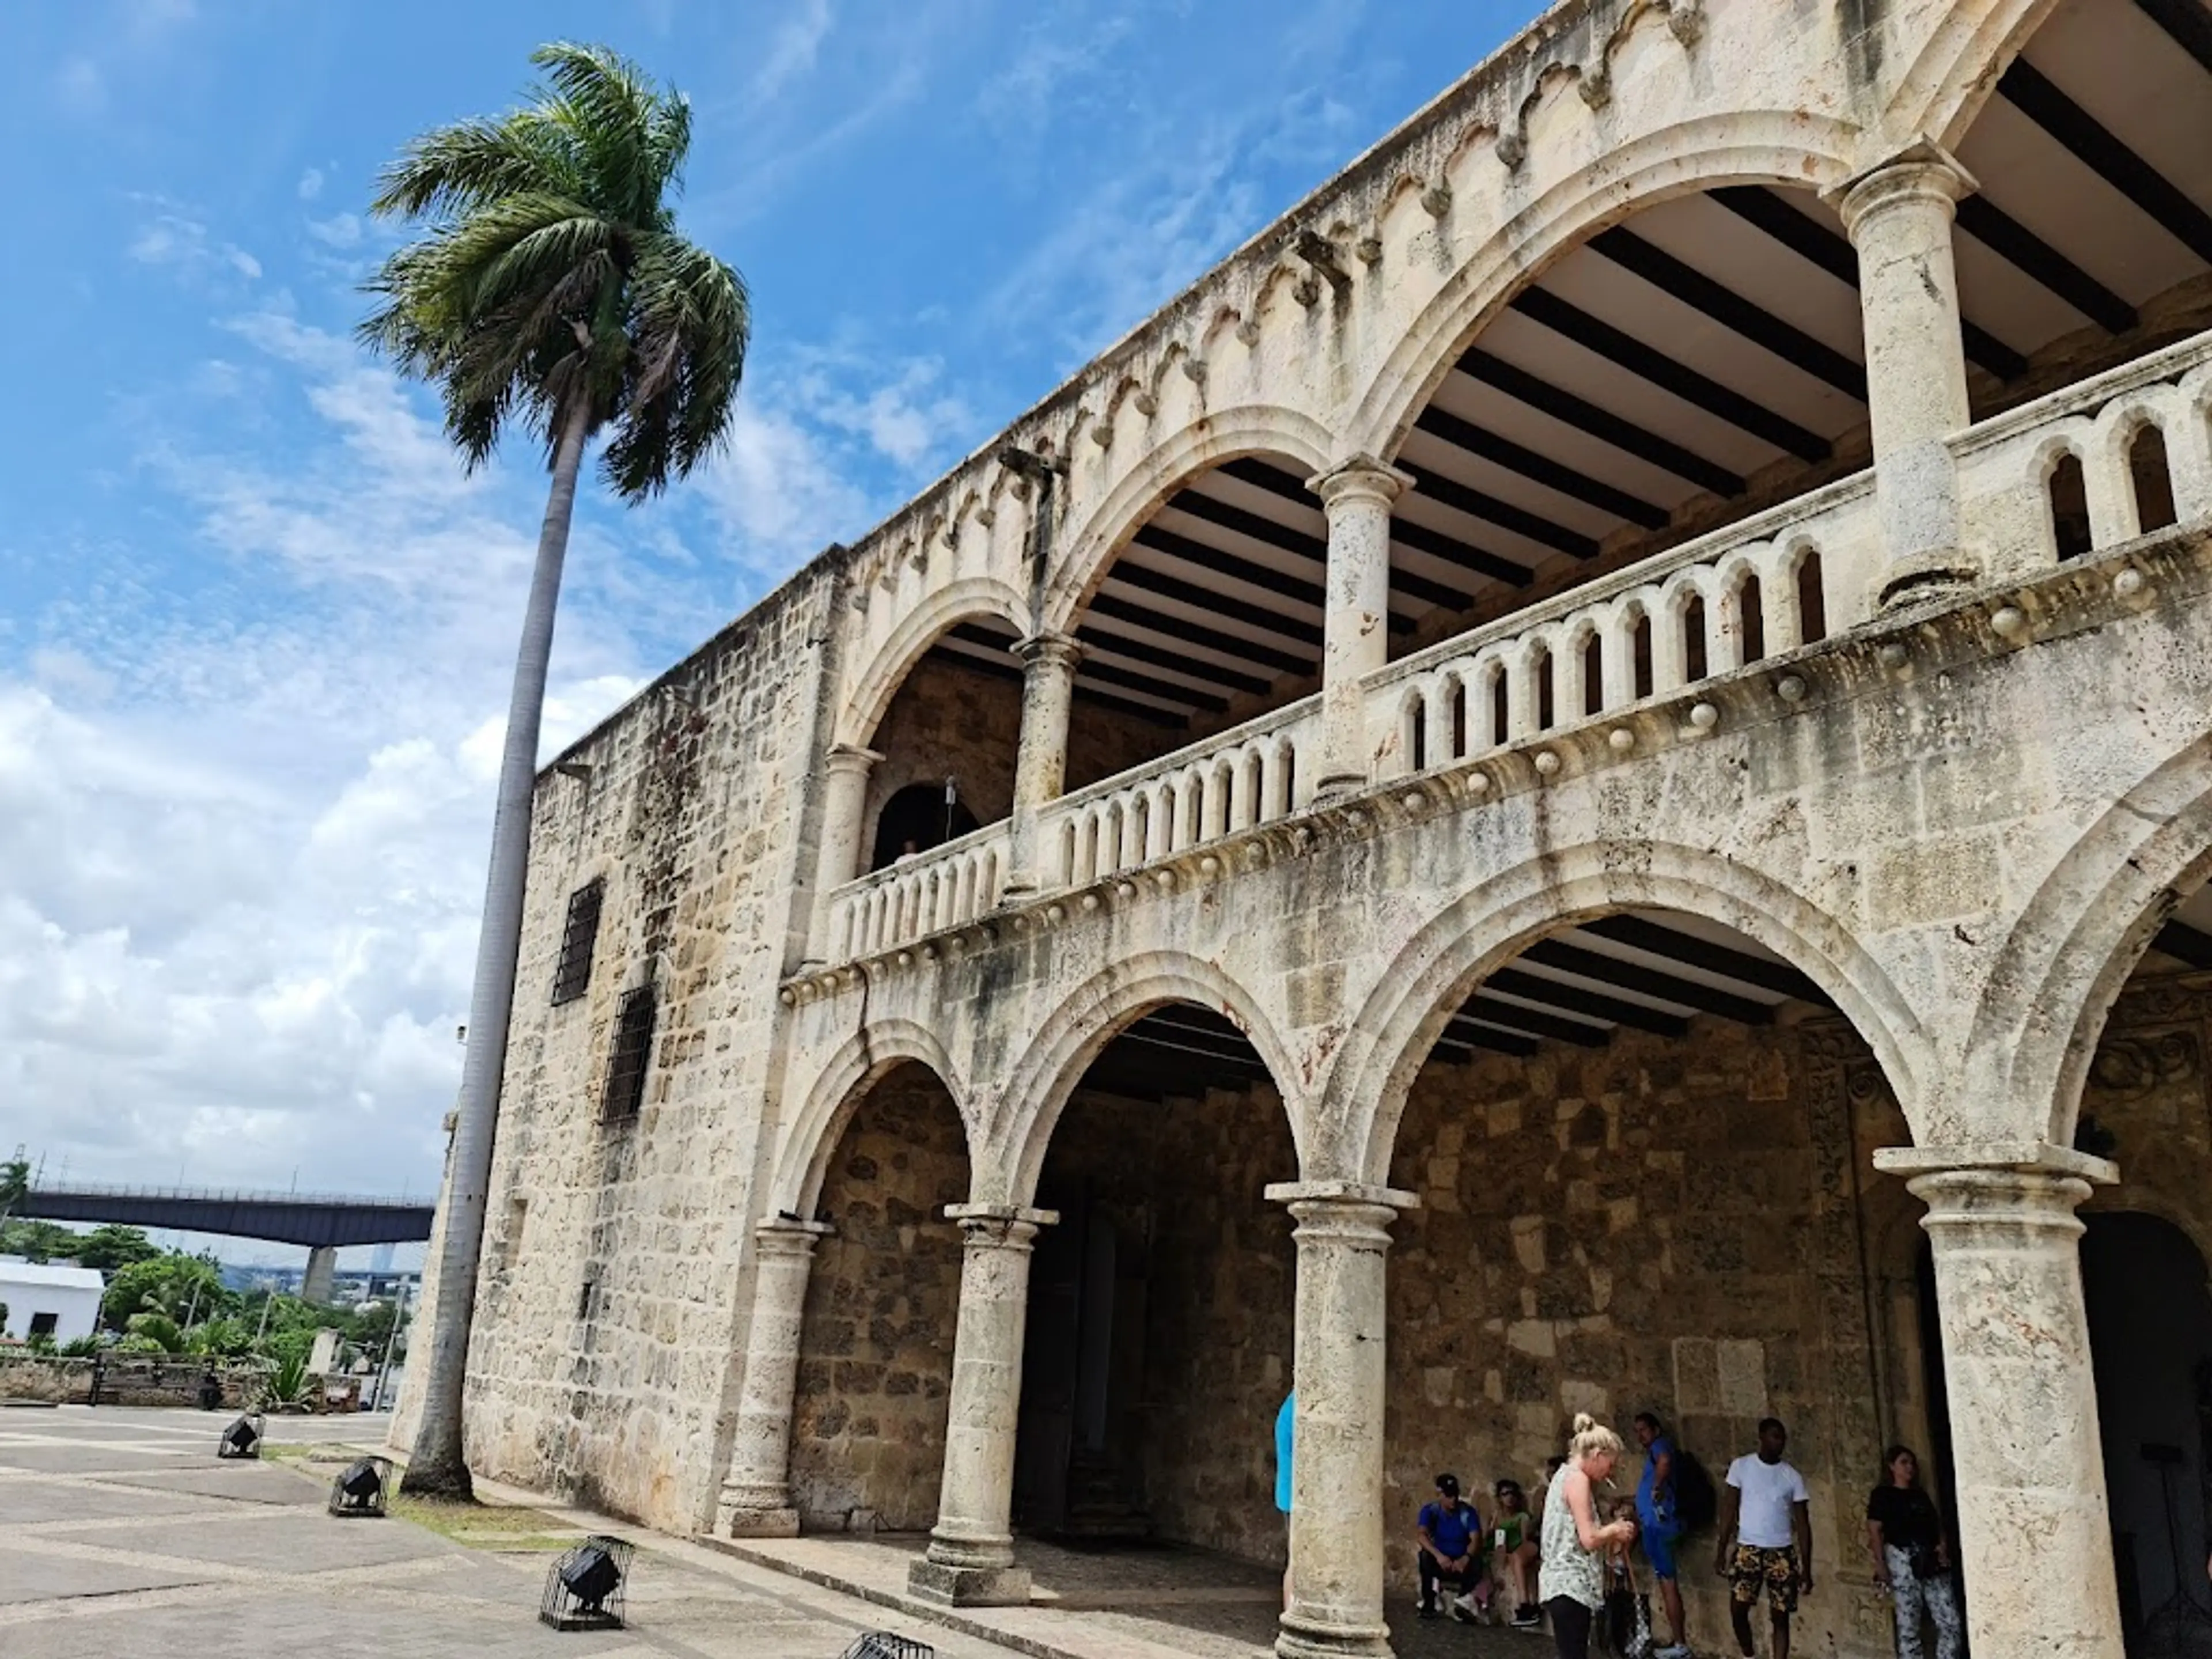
[(1587, 777)]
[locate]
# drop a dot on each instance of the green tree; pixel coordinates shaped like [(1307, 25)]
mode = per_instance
[(40, 1241), (176, 1285), (548, 286), (110, 1247), (14, 1183)]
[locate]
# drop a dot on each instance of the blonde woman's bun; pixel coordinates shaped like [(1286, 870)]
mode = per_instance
[(1592, 1438), (1584, 1424)]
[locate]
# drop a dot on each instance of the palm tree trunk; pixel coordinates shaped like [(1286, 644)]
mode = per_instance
[(436, 1465)]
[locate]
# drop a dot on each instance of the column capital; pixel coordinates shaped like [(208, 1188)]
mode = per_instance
[(2020, 1191), (850, 758), (1923, 172), (1360, 478), (1053, 650), (999, 1226), (784, 1235), (1999, 1157), (1348, 1211)]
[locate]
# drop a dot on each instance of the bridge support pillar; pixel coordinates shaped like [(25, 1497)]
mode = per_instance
[(321, 1279)]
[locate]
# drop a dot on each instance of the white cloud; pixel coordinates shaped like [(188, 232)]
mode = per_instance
[(340, 230), (792, 53), (185, 245), (311, 184)]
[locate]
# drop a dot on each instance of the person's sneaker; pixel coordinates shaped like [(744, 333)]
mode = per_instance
[(1428, 1610), (1674, 1651), (1460, 1610), (1528, 1618)]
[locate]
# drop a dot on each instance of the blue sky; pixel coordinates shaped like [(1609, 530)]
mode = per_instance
[(255, 625)]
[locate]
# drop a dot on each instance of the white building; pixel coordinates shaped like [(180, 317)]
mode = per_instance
[(42, 1300)]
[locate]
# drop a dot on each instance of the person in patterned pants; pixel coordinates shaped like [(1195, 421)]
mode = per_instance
[(1765, 1543), (1912, 1557)]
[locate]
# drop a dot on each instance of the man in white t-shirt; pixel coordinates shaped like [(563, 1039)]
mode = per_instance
[(1766, 1537)]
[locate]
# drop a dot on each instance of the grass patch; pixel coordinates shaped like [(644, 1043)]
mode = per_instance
[(485, 1526)]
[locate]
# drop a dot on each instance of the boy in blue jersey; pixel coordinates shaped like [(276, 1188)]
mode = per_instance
[(1285, 1436), (1451, 1553)]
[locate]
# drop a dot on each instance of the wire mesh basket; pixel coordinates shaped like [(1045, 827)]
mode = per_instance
[(882, 1645), (587, 1588), (359, 1493), (243, 1438)]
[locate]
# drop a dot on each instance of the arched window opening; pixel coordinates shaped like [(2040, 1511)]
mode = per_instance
[(1750, 618), (1500, 708), (1417, 733), (918, 817), (1546, 709), (1812, 600), (2070, 508), (1694, 664), (1640, 644), (2153, 480), (1593, 675), (1459, 735)]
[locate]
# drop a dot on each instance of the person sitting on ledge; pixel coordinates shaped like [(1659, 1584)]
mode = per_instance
[(1513, 1552), (1449, 1554)]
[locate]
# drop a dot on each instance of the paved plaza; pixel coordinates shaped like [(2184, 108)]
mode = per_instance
[(120, 1532)]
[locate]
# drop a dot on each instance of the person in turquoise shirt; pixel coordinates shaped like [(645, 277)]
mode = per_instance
[(1285, 1430)]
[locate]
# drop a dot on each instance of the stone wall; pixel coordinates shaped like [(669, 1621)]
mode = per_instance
[(611, 1309), (875, 1357)]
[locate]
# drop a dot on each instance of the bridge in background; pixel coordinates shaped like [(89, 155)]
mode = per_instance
[(323, 1222)]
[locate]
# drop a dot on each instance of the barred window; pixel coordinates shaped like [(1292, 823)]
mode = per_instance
[(633, 1052), (579, 935)]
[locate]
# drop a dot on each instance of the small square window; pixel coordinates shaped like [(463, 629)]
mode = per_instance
[(43, 1324), (632, 1056), (580, 936)]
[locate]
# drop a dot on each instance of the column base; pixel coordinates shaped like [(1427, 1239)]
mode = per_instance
[(757, 1524), (1329, 790), (1302, 1640), (968, 1587), (1927, 578)]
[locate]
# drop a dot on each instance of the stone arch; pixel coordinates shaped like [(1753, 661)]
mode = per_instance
[(1787, 148), (1076, 1032), (874, 687), (1093, 541), (861, 1062), (2061, 965), (1957, 67), (1391, 1037)]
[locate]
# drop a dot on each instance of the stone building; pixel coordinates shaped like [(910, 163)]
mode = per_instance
[(1581, 781)]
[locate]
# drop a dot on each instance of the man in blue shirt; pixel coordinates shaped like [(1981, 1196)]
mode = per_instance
[(1449, 1533), (1660, 1526)]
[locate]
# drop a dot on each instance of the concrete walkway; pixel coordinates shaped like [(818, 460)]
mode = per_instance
[(120, 1533)]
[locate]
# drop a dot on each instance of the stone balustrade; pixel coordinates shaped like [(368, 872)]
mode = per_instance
[(1251, 775), (2104, 461), (1757, 589), (948, 886)]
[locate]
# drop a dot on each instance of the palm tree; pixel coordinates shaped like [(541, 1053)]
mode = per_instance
[(548, 286)]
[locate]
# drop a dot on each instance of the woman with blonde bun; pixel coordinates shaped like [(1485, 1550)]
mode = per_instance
[(1572, 1581)]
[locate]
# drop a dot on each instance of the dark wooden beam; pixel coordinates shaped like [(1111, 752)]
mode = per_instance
[(1740, 965), (1647, 981), (1581, 1000), (1476, 504), (2190, 944), (1137, 615), (1594, 334), (2014, 242), (2187, 22), (1600, 423), (1100, 640), (1222, 563), (1251, 469), (1467, 1035), (1834, 254), (1504, 451), (1452, 550), (2034, 96), (1206, 598), (999, 671), (1190, 1019), (1497, 1011), (1731, 310), (1106, 673), (1257, 525)]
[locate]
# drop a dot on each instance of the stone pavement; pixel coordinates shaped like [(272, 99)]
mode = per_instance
[(120, 1533)]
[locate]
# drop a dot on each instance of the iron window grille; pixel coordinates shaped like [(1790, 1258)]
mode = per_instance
[(580, 936), (632, 1053)]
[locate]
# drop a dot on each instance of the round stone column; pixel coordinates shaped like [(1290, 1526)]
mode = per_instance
[(1899, 217), (1040, 764), (970, 1561), (755, 1500), (1343, 1237), (1357, 495), (2034, 1531), (844, 805)]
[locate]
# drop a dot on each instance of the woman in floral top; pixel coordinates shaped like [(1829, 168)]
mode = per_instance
[(1572, 1580)]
